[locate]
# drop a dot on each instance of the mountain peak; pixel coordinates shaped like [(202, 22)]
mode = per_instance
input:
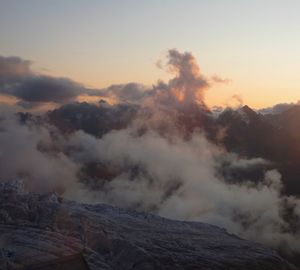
[(247, 109)]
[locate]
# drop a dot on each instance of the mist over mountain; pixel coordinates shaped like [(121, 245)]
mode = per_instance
[(242, 131), (157, 149)]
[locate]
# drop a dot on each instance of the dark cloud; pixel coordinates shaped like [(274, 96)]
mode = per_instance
[(17, 79), (187, 87), (46, 89), (130, 92)]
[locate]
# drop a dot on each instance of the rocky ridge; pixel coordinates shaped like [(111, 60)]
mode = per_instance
[(36, 228)]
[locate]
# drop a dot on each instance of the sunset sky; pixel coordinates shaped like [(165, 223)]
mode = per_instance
[(253, 43)]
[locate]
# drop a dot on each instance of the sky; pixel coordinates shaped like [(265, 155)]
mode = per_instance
[(254, 43)]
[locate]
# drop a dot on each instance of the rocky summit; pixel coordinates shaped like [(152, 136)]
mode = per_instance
[(37, 229)]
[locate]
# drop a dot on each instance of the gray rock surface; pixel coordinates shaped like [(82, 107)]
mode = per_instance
[(37, 228)]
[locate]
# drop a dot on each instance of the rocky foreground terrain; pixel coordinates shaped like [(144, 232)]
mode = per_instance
[(37, 229)]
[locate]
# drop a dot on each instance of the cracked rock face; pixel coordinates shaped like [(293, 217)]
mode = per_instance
[(37, 228)]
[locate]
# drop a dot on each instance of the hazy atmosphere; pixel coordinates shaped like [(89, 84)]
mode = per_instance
[(150, 135)]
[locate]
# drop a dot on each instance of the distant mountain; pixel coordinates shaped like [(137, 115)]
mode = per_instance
[(253, 135), (289, 120), (98, 119), (91, 118), (274, 137)]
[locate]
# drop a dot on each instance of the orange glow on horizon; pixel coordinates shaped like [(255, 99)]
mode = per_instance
[(8, 99), (95, 99)]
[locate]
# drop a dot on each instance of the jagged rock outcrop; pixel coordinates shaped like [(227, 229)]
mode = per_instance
[(36, 228)]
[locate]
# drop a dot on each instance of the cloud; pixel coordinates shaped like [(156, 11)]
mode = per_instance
[(278, 108), (152, 165), (168, 175), (185, 88), (13, 69), (234, 102), (218, 79), (122, 93), (23, 155), (178, 178), (188, 85), (46, 89), (17, 80)]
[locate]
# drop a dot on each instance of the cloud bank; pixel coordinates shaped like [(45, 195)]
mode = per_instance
[(179, 179), (18, 80), (187, 86), (170, 176)]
